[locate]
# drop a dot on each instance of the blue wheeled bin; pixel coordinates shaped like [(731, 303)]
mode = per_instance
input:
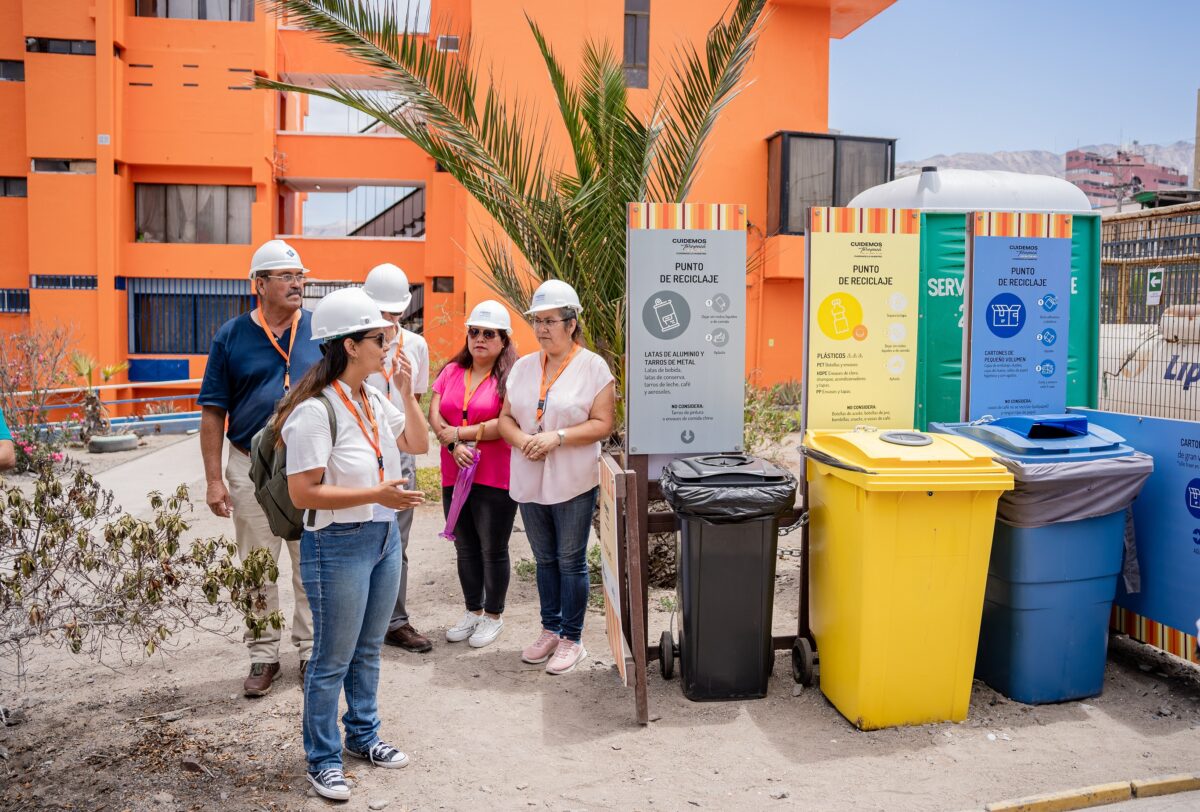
[(1056, 553)]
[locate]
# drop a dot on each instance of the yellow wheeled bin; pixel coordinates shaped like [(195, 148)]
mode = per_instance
[(900, 531)]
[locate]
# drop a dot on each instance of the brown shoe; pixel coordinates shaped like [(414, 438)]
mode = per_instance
[(258, 683), (409, 639)]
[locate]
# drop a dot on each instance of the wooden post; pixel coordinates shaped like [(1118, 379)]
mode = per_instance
[(634, 540)]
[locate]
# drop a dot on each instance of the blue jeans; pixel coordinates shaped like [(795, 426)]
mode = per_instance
[(558, 535), (351, 574)]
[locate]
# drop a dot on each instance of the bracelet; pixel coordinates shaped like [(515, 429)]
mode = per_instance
[(457, 436)]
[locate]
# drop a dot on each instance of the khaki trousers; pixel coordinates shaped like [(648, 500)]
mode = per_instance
[(252, 531)]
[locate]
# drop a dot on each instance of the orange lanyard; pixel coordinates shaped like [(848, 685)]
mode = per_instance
[(287, 356), (468, 393), (541, 404), (372, 440)]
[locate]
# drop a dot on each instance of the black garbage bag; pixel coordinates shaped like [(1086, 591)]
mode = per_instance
[(727, 488)]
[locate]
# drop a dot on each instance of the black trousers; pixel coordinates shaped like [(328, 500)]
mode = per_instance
[(481, 542)]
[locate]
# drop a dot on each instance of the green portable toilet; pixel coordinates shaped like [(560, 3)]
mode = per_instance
[(946, 198)]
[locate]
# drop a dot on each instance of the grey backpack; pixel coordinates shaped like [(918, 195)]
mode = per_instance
[(268, 472)]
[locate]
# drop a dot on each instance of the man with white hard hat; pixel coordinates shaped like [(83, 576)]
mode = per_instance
[(388, 286), (253, 361)]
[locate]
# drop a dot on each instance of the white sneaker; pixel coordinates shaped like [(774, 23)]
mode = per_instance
[(464, 628), (486, 631)]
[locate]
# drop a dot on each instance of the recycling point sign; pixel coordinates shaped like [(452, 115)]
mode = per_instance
[(686, 339)]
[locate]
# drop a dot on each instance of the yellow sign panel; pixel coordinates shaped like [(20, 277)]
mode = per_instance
[(863, 292)]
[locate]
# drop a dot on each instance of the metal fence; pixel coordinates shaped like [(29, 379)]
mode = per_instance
[(1150, 313)]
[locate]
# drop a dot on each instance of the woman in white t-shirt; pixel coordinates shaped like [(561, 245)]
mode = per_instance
[(558, 409), (350, 487)]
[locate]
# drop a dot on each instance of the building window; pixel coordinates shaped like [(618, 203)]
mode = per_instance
[(76, 47), (182, 315), (62, 282), (443, 284), (12, 70), (818, 169), (229, 10), (447, 43), (14, 300), (186, 213), (13, 187), (366, 211), (64, 166), (413, 317), (637, 43)]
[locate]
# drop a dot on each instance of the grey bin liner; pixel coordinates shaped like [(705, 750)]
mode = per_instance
[(1053, 492), (729, 503)]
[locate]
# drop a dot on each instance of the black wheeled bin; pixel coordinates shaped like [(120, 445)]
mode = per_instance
[(728, 508)]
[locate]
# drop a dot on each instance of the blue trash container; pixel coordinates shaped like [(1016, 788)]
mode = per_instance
[(1056, 553)]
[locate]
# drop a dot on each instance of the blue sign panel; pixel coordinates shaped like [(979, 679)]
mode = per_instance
[(1166, 518), (1020, 304)]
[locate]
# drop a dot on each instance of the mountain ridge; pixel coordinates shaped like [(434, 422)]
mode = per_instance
[(1044, 162)]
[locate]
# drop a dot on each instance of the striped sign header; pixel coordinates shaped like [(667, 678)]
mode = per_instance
[(700, 216), (1022, 224), (841, 220), (1170, 640)]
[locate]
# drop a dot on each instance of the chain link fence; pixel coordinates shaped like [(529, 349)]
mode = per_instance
[(1150, 313)]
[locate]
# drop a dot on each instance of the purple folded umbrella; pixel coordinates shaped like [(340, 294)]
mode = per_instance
[(462, 488)]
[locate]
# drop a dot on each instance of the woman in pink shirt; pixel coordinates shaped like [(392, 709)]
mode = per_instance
[(558, 409), (464, 413)]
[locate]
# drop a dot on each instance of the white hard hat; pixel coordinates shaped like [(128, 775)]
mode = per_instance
[(275, 255), (345, 311), (552, 295), (490, 313), (388, 286)]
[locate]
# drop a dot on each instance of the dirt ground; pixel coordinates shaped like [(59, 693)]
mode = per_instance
[(485, 731)]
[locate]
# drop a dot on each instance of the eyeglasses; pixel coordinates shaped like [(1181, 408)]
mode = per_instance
[(475, 332), (377, 338), (540, 323), (289, 278)]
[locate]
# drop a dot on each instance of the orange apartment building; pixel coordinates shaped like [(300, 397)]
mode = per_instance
[(138, 171)]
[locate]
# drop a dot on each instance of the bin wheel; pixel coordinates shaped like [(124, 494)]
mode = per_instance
[(666, 655), (802, 661)]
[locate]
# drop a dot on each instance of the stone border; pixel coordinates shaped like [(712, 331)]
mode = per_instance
[(1099, 795)]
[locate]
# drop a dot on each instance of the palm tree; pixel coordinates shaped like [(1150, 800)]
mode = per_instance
[(551, 220)]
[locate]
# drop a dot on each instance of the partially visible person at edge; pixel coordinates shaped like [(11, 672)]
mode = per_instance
[(253, 360), (465, 414), (350, 486), (387, 285), (8, 454), (558, 409)]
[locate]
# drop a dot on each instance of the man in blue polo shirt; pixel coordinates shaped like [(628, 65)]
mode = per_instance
[(253, 360)]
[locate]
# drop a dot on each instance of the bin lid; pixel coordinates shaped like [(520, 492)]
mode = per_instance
[(898, 460), (1042, 438), (726, 469)]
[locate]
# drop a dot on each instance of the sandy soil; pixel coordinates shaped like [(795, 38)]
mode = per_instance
[(485, 731)]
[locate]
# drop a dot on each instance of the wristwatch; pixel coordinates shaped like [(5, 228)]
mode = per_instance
[(450, 446), (562, 436)]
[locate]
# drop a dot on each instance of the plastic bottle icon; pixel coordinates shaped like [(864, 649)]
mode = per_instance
[(841, 325), (667, 318)]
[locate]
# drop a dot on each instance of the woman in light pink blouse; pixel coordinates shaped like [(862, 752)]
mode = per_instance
[(558, 409)]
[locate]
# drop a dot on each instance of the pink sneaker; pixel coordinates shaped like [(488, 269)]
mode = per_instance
[(566, 657), (540, 650)]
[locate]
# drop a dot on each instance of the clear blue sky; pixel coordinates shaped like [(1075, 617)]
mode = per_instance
[(946, 76)]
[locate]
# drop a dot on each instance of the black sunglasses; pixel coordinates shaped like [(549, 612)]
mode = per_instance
[(475, 332), (377, 338)]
